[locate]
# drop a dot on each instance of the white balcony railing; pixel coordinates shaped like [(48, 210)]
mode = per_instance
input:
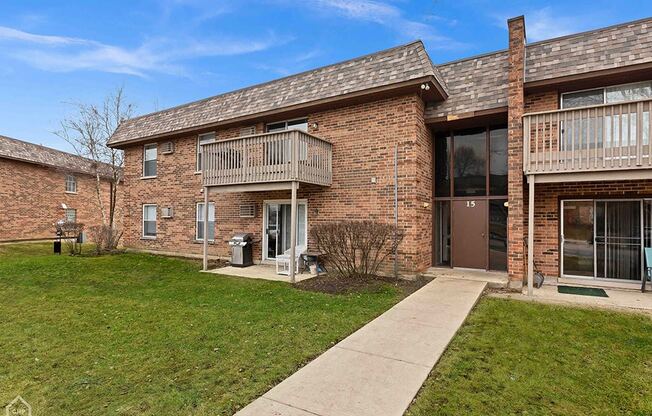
[(598, 138), (285, 156)]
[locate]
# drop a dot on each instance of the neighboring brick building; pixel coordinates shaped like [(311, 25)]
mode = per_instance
[(37, 182), (471, 138)]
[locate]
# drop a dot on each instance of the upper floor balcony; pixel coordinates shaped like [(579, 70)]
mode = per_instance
[(279, 157), (592, 142)]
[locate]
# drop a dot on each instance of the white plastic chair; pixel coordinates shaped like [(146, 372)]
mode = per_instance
[(283, 261)]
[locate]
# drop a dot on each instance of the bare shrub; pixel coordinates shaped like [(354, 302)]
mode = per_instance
[(105, 237), (356, 248)]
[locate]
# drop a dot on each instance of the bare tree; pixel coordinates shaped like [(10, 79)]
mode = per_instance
[(88, 132)]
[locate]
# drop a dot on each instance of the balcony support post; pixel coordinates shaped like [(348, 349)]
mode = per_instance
[(530, 235), (293, 232), (205, 243)]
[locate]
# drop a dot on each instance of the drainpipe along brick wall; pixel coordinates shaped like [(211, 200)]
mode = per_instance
[(516, 195)]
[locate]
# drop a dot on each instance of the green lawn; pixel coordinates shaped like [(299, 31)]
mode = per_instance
[(134, 334), (518, 358)]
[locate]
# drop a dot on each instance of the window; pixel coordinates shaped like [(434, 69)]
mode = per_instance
[(498, 161), (149, 221), (71, 215), (200, 221), (71, 184), (608, 129), (202, 139), (298, 124), (149, 160), (469, 162), (278, 152), (608, 95), (442, 164)]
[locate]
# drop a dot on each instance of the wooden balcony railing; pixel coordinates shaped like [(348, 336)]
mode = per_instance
[(598, 138), (285, 156)]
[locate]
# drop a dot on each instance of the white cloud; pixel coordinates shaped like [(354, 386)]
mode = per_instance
[(543, 24), (66, 54), (390, 16)]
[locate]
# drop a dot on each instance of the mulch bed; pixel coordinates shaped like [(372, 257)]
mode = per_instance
[(334, 284)]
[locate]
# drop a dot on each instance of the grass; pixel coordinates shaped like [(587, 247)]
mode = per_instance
[(136, 334), (518, 358)]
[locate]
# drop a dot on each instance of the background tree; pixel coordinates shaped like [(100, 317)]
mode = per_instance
[(88, 130)]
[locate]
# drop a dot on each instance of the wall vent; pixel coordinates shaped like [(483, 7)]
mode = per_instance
[(248, 210), (167, 212), (167, 148), (247, 131)]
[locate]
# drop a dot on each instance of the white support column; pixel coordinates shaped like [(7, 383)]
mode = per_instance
[(530, 236), (293, 232), (205, 257)]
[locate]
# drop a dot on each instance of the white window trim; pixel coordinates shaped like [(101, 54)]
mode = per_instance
[(142, 224), (286, 124), (74, 180), (197, 220), (604, 92), (197, 169), (273, 202), (145, 147)]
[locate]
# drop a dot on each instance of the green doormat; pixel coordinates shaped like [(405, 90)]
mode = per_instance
[(585, 291)]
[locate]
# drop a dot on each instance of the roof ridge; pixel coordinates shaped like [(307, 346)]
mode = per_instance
[(590, 31), (405, 45), (469, 58)]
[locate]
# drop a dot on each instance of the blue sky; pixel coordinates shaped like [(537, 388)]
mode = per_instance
[(170, 52)]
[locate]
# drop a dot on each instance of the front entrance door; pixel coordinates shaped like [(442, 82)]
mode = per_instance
[(470, 233)]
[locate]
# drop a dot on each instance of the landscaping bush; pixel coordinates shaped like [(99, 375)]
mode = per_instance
[(356, 248), (105, 237)]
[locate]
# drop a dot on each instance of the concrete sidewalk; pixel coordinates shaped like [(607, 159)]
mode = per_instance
[(380, 368)]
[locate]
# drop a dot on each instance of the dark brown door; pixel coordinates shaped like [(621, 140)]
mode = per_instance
[(470, 233)]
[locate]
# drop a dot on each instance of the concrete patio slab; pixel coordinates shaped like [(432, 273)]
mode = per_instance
[(379, 369), (618, 299), (258, 271)]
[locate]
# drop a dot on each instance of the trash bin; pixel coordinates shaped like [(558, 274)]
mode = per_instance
[(241, 250)]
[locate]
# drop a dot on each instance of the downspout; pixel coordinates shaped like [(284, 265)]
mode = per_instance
[(395, 210)]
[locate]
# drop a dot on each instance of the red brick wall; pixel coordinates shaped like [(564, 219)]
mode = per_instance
[(543, 101), (31, 197), (363, 138), (515, 101), (547, 212)]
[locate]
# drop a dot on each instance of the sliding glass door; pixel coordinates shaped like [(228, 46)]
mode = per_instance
[(604, 239), (276, 236)]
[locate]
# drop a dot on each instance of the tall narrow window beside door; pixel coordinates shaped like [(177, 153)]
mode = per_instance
[(200, 221)]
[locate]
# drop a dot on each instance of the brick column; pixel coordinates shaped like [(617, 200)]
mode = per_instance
[(515, 102)]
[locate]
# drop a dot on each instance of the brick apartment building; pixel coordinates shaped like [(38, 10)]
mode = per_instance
[(541, 147), (39, 186)]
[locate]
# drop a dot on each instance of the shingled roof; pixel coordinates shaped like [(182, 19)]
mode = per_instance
[(33, 153), (476, 83), (480, 83), (611, 47), (391, 66)]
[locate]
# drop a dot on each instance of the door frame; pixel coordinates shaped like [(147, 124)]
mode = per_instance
[(268, 202), (594, 278)]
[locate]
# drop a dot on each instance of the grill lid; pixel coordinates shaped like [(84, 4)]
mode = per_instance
[(241, 237)]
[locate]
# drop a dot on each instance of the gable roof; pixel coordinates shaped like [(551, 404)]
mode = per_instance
[(33, 153), (392, 66), (476, 83), (611, 47)]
